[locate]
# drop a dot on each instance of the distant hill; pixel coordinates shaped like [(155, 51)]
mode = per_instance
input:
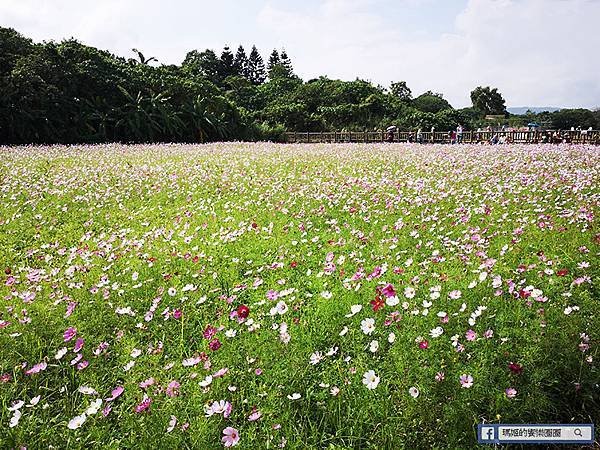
[(535, 109)]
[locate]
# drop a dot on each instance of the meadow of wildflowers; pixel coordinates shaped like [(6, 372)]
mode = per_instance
[(308, 296)]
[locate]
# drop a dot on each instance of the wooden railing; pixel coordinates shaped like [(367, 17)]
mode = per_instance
[(442, 137)]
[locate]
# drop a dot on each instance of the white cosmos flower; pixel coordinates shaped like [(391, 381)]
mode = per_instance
[(414, 392), (370, 379), (14, 420), (326, 295), (34, 401), (281, 308), (354, 309), (60, 353), (344, 331), (392, 301), (409, 292), (207, 381), (374, 346), (94, 407), (391, 338), (172, 424), (17, 405), (172, 291), (332, 351), (436, 332), (294, 396), (76, 422), (230, 333), (86, 390), (316, 358), (367, 325)]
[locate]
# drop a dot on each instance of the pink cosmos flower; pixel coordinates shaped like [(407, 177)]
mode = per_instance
[(511, 392), (116, 392), (209, 332), (106, 411), (423, 344), (272, 295), (70, 308), (37, 368), (144, 405), (254, 415), (147, 383), (177, 314), (69, 334), (230, 437), (470, 335), (173, 389), (439, 377), (219, 373), (78, 345), (466, 381)]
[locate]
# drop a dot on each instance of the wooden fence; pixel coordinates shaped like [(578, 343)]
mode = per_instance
[(442, 137)]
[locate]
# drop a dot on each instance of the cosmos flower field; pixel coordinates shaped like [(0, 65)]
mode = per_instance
[(298, 296)]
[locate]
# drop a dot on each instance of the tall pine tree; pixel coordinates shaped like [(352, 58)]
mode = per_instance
[(286, 63), (273, 60), (226, 66), (256, 67), (240, 62)]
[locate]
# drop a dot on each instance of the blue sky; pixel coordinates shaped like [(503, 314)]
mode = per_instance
[(537, 52)]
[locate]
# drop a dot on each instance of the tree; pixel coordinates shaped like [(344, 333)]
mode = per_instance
[(566, 118), (204, 64), (226, 68), (12, 46), (256, 67), (488, 101), (142, 58), (240, 62), (401, 91), (274, 60), (286, 63), (431, 102)]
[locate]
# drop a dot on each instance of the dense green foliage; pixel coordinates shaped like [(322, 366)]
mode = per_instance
[(68, 92)]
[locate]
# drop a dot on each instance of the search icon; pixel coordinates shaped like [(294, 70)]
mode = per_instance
[(577, 432)]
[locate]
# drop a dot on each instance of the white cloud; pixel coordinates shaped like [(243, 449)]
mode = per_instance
[(537, 52)]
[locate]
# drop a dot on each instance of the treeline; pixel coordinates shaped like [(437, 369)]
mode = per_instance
[(68, 92)]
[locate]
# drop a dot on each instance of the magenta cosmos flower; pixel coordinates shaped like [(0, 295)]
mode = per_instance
[(230, 437), (69, 334)]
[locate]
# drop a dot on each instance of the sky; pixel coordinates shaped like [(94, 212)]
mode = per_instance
[(536, 52)]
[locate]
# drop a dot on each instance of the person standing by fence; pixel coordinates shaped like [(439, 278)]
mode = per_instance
[(459, 133)]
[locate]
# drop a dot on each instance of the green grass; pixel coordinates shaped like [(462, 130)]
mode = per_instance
[(222, 216)]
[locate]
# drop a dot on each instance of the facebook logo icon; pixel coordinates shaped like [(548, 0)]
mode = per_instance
[(488, 434)]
